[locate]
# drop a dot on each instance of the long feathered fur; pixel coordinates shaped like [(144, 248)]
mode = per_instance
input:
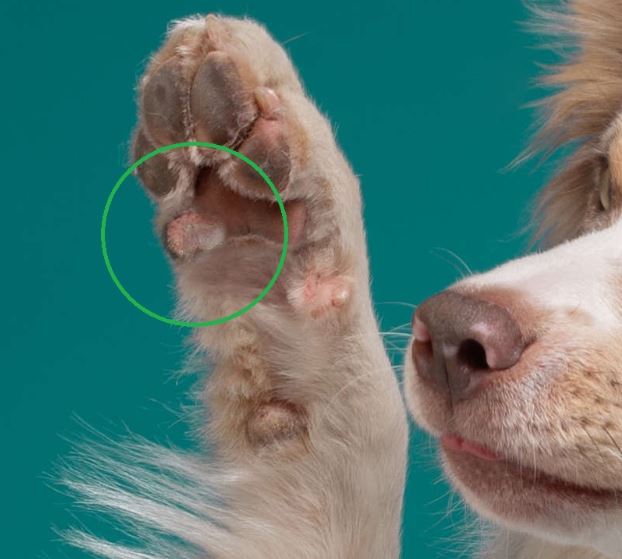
[(587, 98), (175, 504)]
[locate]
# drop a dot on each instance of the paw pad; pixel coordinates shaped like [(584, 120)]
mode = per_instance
[(220, 102)]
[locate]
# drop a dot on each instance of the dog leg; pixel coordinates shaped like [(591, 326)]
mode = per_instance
[(302, 402)]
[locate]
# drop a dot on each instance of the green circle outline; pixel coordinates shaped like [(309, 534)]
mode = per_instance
[(172, 321)]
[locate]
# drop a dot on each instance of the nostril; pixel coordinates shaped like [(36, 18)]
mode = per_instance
[(472, 355), (460, 339)]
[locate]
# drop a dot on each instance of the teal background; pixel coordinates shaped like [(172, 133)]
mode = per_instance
[(426, 99)]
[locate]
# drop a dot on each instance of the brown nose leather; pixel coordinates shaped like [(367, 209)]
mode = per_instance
[(460, 340)]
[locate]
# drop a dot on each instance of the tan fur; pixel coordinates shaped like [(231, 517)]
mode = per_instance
[(585, 105)]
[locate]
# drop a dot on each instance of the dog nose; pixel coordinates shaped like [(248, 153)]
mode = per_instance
[(459, 340)]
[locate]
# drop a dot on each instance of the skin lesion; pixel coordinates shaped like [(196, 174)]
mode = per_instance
[(274, 422)]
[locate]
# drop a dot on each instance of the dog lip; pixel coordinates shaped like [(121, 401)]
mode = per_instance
[(458, 444), (455, 445)]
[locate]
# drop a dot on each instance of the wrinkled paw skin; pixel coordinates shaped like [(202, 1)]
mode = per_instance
[(220, 213)]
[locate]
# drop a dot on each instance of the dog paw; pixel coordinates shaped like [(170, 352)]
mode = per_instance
[(225, 81)]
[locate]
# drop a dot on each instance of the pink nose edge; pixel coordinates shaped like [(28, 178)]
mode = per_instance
[(420, 331)]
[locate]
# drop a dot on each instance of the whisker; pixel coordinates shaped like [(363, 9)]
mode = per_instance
[(464, 270), (594, 443), (613, 440), (296, 37), (399, 303)]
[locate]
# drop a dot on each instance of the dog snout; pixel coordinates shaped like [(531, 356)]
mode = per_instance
[(460, 340)]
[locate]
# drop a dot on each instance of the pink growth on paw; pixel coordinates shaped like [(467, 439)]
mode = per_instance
[(190, 233), (318, 295)]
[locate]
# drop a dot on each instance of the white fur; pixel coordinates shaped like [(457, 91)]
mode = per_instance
[(578, 275)]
